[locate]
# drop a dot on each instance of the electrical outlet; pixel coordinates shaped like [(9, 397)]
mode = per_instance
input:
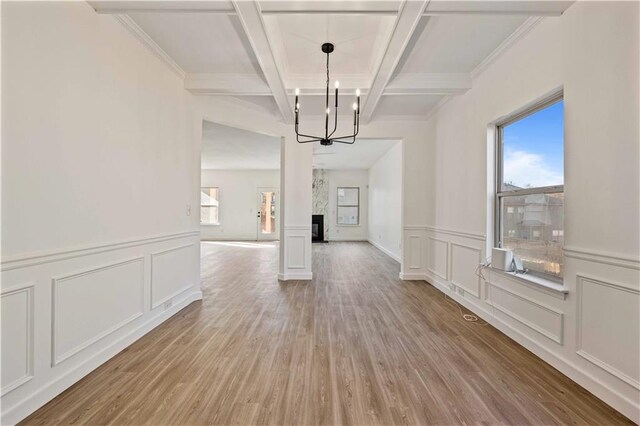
[(460, 291), (452, 287), (168, 304)]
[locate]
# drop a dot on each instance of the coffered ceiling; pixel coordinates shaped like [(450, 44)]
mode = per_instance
[(405, 56)]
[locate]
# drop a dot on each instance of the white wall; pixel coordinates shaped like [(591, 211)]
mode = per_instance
[(385, 203), (347, 178), (99, 166), (238, 202), (592, 334)]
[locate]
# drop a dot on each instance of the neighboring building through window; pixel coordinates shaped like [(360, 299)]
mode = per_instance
[(530, 187), (348, 206), (209, 206)]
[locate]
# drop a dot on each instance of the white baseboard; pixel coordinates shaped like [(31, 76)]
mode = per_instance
[(386, 251), (412, 277), (52, 389), (301, 276), (563, 365)]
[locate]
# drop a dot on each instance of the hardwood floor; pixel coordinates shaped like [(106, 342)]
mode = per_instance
[(355, 346)]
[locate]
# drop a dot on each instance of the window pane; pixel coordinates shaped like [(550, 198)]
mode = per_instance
[(348, 216), (268, 213), (533, 150), (209, 215), (533, 227), (348, 196), (209, 196)]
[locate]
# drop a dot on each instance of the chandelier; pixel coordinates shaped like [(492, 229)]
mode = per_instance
[(328, 138)]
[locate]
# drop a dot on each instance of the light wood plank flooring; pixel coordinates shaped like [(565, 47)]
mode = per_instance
[(355, 346)]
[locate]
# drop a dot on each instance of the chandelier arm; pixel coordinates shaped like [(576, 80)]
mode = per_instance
[(335, 124), (307, 141), (345, 142)]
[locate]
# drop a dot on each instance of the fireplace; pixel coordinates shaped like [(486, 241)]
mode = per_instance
[(317, 228)]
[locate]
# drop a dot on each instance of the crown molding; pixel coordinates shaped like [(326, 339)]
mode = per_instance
[(226, 84), (429, 84), (516, 36), (151, 45)]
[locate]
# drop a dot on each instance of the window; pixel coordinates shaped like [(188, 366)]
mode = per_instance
[(209, 206), (348, 206), (530, 187)]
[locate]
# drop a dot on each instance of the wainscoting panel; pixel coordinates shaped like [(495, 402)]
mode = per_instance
[(464, 264), (604, 331), (89, 305), (296, 253), (67, 311), (415, 252), (438, 257), (170, 273), (16, 308), (537, 316), (296, 258)]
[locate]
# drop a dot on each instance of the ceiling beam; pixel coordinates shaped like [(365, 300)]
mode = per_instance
[(408, 18), (156, 6), (253, 24), (502, 7)]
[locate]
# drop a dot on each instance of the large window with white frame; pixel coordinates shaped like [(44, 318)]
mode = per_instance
[(209, 206), (530, 187)]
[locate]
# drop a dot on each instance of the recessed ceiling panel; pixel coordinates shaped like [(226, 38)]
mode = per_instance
[(201, 42), (456, 43), (410, 106), (360, 42)]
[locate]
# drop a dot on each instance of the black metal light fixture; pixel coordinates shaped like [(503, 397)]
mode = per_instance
[(327, 139)]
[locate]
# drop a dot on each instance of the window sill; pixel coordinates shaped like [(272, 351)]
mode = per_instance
[(209, 224), (555, 289)]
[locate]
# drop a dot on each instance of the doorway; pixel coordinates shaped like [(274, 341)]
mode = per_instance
[(268, 214)]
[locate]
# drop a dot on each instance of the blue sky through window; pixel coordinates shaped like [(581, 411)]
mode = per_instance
[(533, 149)]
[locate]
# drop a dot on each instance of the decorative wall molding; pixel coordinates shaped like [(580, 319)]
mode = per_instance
[(463, 234), (556, 336), (57, 358), (603, 257), (430, 266), (473, 291), (29, 321), (151, 45), (33, 259), (291, 262), (50, 389), (503, 47), (154, 256), (415, 252), (580, 350)]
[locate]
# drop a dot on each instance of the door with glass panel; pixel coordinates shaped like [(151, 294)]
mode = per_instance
[(268, 214)]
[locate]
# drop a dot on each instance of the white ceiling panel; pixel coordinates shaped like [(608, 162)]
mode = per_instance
[(409, 106), (361, 155), (455, 43), (360, 41), (201, 42), (229, 148)]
